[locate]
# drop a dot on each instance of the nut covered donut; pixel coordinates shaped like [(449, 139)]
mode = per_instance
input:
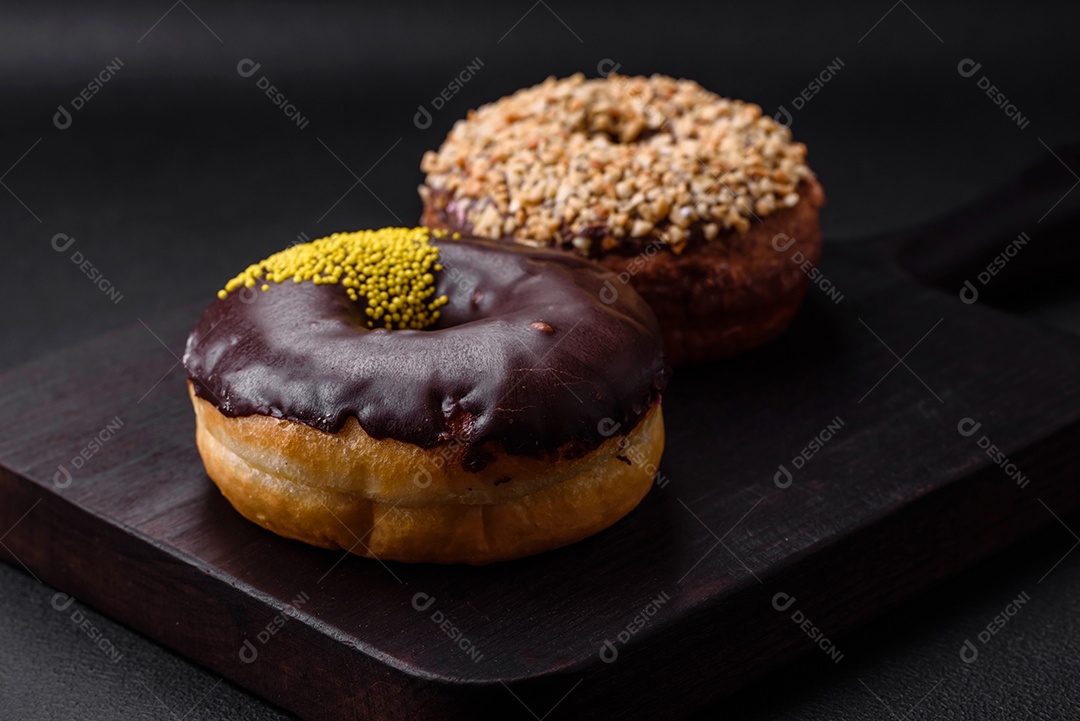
[(409, 396), (701, 203)]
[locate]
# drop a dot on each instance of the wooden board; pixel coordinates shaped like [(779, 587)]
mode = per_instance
[(684, 589)]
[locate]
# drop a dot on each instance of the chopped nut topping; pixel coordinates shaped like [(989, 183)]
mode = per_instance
[(639, 157)]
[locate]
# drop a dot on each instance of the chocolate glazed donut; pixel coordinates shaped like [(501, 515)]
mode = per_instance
[(502, 430)]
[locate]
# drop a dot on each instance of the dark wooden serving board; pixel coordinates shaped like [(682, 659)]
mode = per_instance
[(895, 501)]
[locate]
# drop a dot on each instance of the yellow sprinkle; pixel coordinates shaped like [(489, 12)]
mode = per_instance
[(390, 270)]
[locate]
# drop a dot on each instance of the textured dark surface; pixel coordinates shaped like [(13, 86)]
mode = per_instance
[(180, 172)]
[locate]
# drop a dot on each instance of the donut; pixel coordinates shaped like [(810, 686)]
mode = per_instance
[(406, 395), (702, 204)]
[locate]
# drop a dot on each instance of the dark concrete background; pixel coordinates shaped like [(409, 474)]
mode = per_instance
[(179, 171)]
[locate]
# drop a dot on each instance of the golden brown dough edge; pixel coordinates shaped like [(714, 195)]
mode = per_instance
[(308, 485)]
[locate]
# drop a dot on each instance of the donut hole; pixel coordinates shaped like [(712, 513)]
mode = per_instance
[(625, 134), (620, 127), (461, 309)]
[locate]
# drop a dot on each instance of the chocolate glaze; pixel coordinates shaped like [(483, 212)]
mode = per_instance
[(483, 375)]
